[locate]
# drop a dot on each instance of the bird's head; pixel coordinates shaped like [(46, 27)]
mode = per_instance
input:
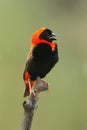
[(43, 35)]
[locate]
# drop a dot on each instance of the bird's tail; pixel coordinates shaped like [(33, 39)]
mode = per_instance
[(26, 93), (26, 77)]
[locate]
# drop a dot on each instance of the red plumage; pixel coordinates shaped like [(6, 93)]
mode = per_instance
[(41, 58)]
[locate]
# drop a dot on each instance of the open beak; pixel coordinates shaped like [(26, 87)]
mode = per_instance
[(52, 36)]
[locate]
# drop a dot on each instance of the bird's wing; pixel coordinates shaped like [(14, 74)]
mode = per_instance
[(55, 54)]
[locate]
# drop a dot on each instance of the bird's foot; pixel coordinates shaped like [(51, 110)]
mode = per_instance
[(32, 91)]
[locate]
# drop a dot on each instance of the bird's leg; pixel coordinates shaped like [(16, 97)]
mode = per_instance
[(30, 88)]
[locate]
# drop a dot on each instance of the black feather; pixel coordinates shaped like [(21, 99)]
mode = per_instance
[(41, 60)]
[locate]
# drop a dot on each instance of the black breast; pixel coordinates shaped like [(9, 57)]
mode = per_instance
[(42, 61), (42, 53)]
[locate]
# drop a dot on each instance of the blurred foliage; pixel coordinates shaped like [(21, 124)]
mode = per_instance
[(64, 107)]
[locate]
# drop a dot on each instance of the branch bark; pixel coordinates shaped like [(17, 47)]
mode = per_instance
[(31, 103)]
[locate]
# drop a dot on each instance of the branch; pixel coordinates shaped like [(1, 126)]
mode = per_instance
[(31, 103)]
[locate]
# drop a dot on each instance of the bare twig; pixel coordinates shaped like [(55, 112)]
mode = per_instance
[(31, 103)]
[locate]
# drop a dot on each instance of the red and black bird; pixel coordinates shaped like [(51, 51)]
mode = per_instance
[(41, 58)]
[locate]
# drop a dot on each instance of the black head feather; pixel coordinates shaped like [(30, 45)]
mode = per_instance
[(47, 35)]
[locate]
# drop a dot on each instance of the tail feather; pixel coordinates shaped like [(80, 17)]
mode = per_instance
[(26, 93)]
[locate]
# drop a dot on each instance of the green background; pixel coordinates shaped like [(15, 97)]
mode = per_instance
[(64, 107)]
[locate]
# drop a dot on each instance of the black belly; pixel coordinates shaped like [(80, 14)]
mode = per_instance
[(42, 61)]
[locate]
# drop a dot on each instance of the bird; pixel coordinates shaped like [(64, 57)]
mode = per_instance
[(41, 58)]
